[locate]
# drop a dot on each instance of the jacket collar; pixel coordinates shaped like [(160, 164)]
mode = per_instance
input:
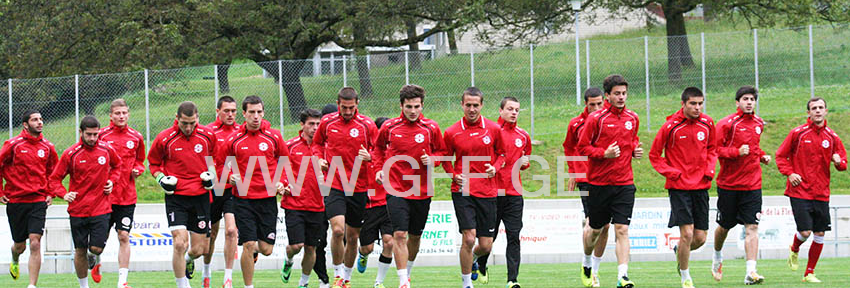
[(464, 123), (264, 125), (117, 128), (421, 116), (27, 136), (506, 124), (612, 108), (815, 127)]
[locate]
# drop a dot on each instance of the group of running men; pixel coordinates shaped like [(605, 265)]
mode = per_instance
[(222, 170), (685, 151)]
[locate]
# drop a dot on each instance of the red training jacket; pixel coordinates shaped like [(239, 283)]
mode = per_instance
[(380, 197), (602, 128), (222, 133), (742, 173), (90, 167), (25, 164), (264, 142), (481, 138), (310, 197), (571, 145), (690, 152), (339, 137), (517, 143), (807, 151), (401, 137), (181, 156), (130, 146)]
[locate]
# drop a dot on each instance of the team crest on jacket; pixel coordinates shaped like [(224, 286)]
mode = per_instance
[(264, 146), (825, 144), (353, 132), (199, 148), (518, 142), (758, 130), (486, 139), (419, 138), (40, 153), (628, 124), (130, 144), (101, 160), (700, 135)]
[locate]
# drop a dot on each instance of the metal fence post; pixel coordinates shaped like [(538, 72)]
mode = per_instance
[(702, 49), (77, 105), (10, 109), (280, 93), (406, 68), (531, 69), (578, 66), (756, 56), (344, 71), (368, 62), (646, 72), (811, 63), (333, 65), (215, 70), (147, 110), (587, 60), (471, 68)]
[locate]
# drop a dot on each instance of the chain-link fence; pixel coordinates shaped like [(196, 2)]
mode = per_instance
[(548, 81)]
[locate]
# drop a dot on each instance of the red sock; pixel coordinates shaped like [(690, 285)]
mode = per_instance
[(814, 254), (796, 246)]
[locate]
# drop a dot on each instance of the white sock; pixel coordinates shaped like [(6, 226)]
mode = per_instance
[(31, 286), (686, 274), (595, 261), (84, 282), (801, 238), (182, 282), (622, 270), (382, 271), (289, 259), (122, 275), (304, 279), (409, 268), (402, 276), (467, 280), (249, 286), (207, 271), (751, 266), (817, 239), (587, 261), (338, 271), (228, 274), (718, 256), (347, 270)]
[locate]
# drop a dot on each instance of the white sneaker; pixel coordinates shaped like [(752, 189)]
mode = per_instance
[(717, 270), (753, 279)]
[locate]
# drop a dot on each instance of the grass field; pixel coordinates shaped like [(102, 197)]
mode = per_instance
[(832, 271)]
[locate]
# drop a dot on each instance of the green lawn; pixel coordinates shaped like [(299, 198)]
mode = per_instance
[(645, 274)]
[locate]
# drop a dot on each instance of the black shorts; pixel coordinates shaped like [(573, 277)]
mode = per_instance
[(122, 217), (475, 213), (738, 207), (188, 212), (811, 215), (688, 207), (352, 207), (610, 204), (256, 219), (584, 186), (408, 215), (26, 219), (221, 205), (375, 224), (90, 231), (305, 227)]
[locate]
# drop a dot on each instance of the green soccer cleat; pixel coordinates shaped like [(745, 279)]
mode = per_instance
[(793, 262), (14, 271), (512, 284), (190, 269), (688, 284), (811, 278), (482, 276), (285, 272), (624, 282), (753, 279), (379, 285), (474, 275), (586, 279), (362, 260)]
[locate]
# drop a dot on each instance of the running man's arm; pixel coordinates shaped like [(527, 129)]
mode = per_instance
[(784, 153), (658, 162), (54, 181), (712, 152)]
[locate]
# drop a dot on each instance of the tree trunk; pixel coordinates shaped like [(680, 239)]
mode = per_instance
[(414, 56), (291, 85), (452, 41), (223, 81), (362, 64), (678, 49)]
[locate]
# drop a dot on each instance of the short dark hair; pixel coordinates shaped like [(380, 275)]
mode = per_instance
[(187, 109), (505, 101), (691, 92), (472, 91), (380, 121), (411, 91), (612, 81), (815, 99), (253, 100), (328, 109), (309, 113), (747, 89), (120, 102), (223, 99), (27, 114), (347, 93), (592, 92), (89, 122)]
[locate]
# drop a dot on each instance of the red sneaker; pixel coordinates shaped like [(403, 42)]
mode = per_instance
[(95, 273), (206, 282)]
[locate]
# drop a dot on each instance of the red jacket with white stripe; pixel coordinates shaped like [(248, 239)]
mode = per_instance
[(690, 152), (130, 146), (571, 145), (517, 143), (25, 164), (807, 151), (742, 173), (602, 128), (90, 167), (181, 156), (380, 196), (310, 197), (222, 133), (481, 138), (402, 137), (264, 143), (339, 137)]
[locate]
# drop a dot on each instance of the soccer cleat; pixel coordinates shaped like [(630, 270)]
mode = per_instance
[(405, 285), (512, 284), (688, 284), (324, 285), (595, 281), (483, 278), (362, 260), (338, 282), (285, 272), (792, 260), (95, 273), (586, 276), (305, 286), (753, 279), (717, 270), (811, 278), (190, 269), (624, 282), (347, 284), (126, 286), (474, 275), (380, 285), (14, 271), (206, 282), (227, 284)]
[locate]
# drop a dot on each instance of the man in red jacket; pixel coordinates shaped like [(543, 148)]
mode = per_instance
[(609, 140), (805, 157), (255, 203), (739, 180), (222, 205), (25, 163), (593, 100), (342, 144), (474, 186), (130, 146), (688, 142), (94, 167), (304, 206), (178, 160), (410, 135)]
